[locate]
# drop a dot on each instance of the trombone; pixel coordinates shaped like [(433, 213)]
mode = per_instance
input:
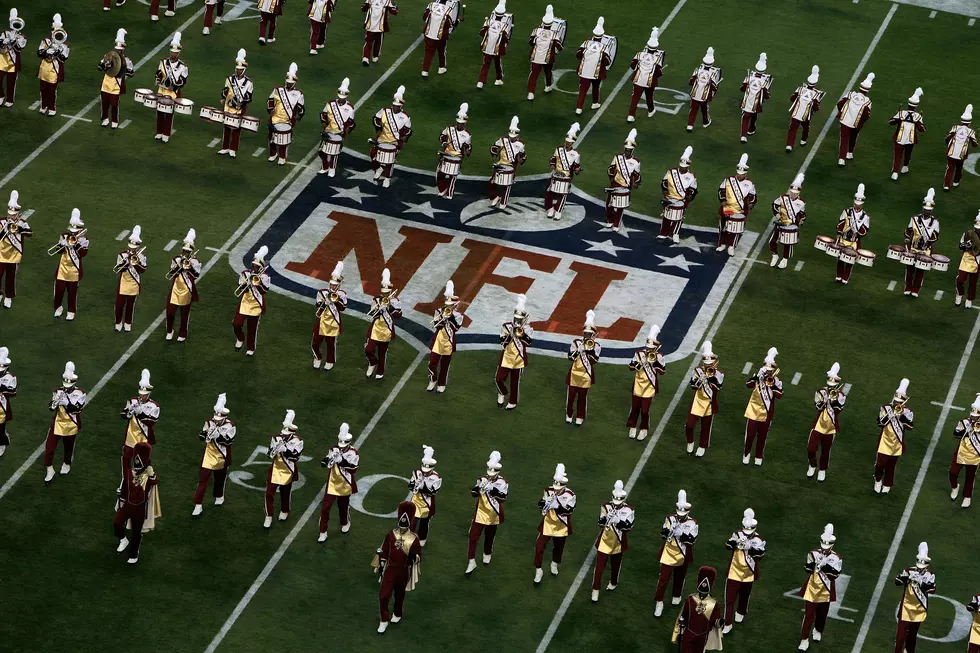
[(70, 241), (254, 278), (185, 264), (132, 260)]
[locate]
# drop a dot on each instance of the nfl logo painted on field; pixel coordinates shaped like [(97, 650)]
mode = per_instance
[(631, 279)]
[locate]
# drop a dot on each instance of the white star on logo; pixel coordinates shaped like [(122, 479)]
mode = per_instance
[(677, 261), (605, 246), (691, 243), (354, 194), (425, 208), (431, 190), (624, 231), (360, 175)]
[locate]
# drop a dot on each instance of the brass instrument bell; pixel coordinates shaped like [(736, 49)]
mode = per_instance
[(17, 24), (59, 36), (589, 343)]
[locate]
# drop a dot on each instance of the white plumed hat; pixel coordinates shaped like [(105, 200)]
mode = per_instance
[(929, 200), (868, 81), (976, 405), (619, 492), (385, 279), (70, 372), (515, 125), (289, 421), (120, 37), (743, 162), (4, 360), (338, 272), (494, 461), (902, 393), (797, 182), (220, 406), (549, 15), (55, 21), (654, 333), (916, 97), (450, 291), (709, 57), (748, 519), (240, 59), (76, 219), (137, 235), (344, 435), (686, 156), (292, 73), (967, 113), (706, 351), (190, 237), (922, 555), (771, 357), (572, 132), (828, 537), (859, 195), (463, 115), (654, 38), (590, 320), (521, 305), (599, 29), (760, 65), (399, 97), (560, 473), (145, 380), (682, 504), (428, 456), (14, 202), (834, 371), (344, 89), (814, 75), (631, 139), (260, 254), (175, 45), (501, 7)]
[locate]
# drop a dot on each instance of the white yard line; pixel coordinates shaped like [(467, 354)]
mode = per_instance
[(916, 488), (91, 105), (712, 331)]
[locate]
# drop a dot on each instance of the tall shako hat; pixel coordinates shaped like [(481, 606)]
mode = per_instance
[(344, 435), (240, 62)]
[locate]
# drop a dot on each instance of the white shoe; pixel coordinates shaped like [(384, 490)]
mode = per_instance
[(676, 238), (431, 386), (373, 59), (821, 476), (804, 645), (499, 82), (579, 421), (127, 328), (442, 71), (894, 176), (470, 567), (441, 389), (123, 543), (967, 304), (840, 163), (727, 629), (690, 447), (65, 469), (530, 96), (595, 596), (422, 542), (955, 492), (699, 453), (877, 487), (114, 125), (758, 462), (905, 170), (69, 316), (118, 327), (273, 158), (198, 509), (739, 617), (395, 619), (965, 504), (3, 448), (568, 420), (720, 248), (495, 201), (642, 435), (169, 14), (501, 399), (651, 114), (206, 31), (154, 18), (223, 151), (217, 20), (690, 128), (377, 173), (817, 635), (886, 489), (675, 600), (479, 84), (316, 364), (957, 300), (283, 516), (731, 250), (281, 161), (48, 474), (425, 73), (549, 89), (232, 153), (658, 609), (554, 568), (743, 139), (7, 302), (267, 523), (238, 344), (810, 471), (346, 527), (250, 352), (578, 112), (596, 105), (557, 215), (538, 575), (365, 61), (322, 538), (632, 434), (486, 559), (745, 459), (783, 263), (789, 148), (630, 119), (550, 213), (332, 172), (219, 501), (850, 156), (58, 311), (774, 260), (370, 371), (170, 335), (383, 626), (386, 182)]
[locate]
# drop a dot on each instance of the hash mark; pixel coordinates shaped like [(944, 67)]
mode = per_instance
[(124, 123), (799, 266), (35, 106), (747, 368), (939, 295), (932, 14), (258, 151), (170, 245), (122, 234), (973, 21), (942, 405), (847, 388), (891, 285), (796, 378), (214, 142)]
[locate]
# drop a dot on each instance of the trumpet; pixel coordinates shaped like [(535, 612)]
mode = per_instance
[(589, 343)]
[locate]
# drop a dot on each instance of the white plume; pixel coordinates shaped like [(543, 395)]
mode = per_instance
[(145, 379)]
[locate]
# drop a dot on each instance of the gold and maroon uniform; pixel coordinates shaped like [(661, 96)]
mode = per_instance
[(171, 76), (236, 95), (385, 309), (624, 178), (398, 565), (286, 106), (342, 462), (557, 505), (959, 140), (138, 505), (766, 388), (595, 57), (852, 225), (490, 491), (377, 21), (67, 403), (494, 39), (253, 284), (439, 20), (269, 13), (706, 381), (829, 402), (8, 390), (446, 322), (679, 187), (72, 247), (10, 57), (974, 609), (736, 197), (565, 164), (679, 533), (918, 583), (515, 338), (853, 111), (546, 42), (920, 237), (321, 14), (908, 125), (584, 353), (141, 414), (331, 302), (698, 626), (969, 268), (704, 84), (647, 366), (184, 272), (14, 228), (788, 215), (116, 68), (895, 420), (508, 154), (965, 457), (423, 486), (337, 118), (130, 266), (455, 144), (53, 52), (823, 565), (285, 450), (616, 519), (647, 65), (804, 102), (218, 434), (748, 548), (755, 91)]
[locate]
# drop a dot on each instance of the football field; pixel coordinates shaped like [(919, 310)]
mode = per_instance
[(220, 582)]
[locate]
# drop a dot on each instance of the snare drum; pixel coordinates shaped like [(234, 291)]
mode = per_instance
[(789, 234), (735, 224), (866, 257), (250, 124), (895, 252), (822, 242), (282, 133), (184, 106), (560, 186), (940, 263), (833, 249), (450, 165), (847, 255), (673, 210), (212, 114), (232, 121), (619, 198), (165, 104), (332, 144), (923, 262), (503, 175), (150, 101), (142, 94), (386, 153)]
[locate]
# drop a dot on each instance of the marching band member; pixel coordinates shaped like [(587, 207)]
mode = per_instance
[(393, 127), (557, 505), (918, 583), (894, 419), (399, 562), (141, 414), (138, 505), (908, 123), (184, 272), (338, 121), (285, 449), (958, 142), (218, 433), (253, 284), (235, 98), (853, 111), (130, 266), (755, 92), (584, 353), (13, 43), (508, 154), (679, 187), (385, 309), (565, 163), (647, 366), (73, 247), (377, 16), (286, 106), (616, 519), (331, 302), (171, 76), (445, 323), (490, 492), (342, 461), (679, 532), (829, 401), (13, 230), (624, 178), (8, 389), (424, 485), (515, 338), (648, 65), (269, 13), (748, 548), (969, 265), (853, 225), (974, 607), (437, 25), (213, 11), (53, 52), (921, 234), (698, 626), (737, 196), (823, 566), (67, 403), (545, 47), (155, 9), (804, 102), (788, 214), (967, 453), (495, 35), (455, 143), (766, 388), (704, 84), (321, 13), (594, 62), (706, 381), (117, 68)]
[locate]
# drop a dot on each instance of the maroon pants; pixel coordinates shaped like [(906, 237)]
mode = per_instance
[(220, 478), (328, 161), (775, 248), (670, 227), (446, 183), (343, 507), (318, 33), (498, 67), (639, 411), (954, 171), (488, 532), (432, 47), (848, 140), (420, 526), (155, 6), (285, 494), (822, 442), (376, 353), (903, 154), (318, 341), (165, 123), (885, 469), (136, 515), (679, 573), (107, 3), (49, 98), (638, 92), (439, 368), (913, 279), (961, 284), (756, 432), (532, 78), (954, 477), (372, 45), (8, 86), (393, 582), (573, 396), (748, 123), (973, 648), (794, 125), (51, 444), (501, 192), (125, 307), (8, 274), (275, 149), (246, 328), (110, 107), (614, 215), (4, 438), (705, 441), (557, 549), (209, 13), (267, 26), (584, 83), (906, 636), (230, 139), (844, 270), (503, 374), (736, 591), (185, 318), (693, 113), (815, 617), (600, 566), (555, 201)]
